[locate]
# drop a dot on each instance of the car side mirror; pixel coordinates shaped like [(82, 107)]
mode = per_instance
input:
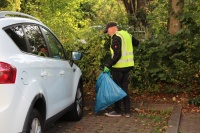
[(76, 56)]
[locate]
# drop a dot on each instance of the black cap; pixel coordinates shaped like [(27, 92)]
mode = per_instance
[(110, 24)]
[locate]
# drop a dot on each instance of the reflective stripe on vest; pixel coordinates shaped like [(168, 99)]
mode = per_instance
[(127, 58)]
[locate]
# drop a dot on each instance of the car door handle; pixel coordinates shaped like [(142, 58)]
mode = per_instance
[(43, 74), (62, 72)]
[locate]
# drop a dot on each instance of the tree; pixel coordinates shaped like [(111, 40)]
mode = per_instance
[(137, 11), (175, 12)]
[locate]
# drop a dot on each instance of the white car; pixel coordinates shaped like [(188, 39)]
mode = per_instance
[(35, 90)]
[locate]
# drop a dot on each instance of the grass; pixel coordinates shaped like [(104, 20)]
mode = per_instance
[(157, 119)]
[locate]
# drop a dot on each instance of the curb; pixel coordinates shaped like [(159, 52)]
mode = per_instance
[(174, 121)]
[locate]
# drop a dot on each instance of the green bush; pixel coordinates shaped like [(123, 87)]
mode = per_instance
[(163, 62)]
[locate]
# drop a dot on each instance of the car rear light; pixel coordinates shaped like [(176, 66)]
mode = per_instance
[(7, 73)]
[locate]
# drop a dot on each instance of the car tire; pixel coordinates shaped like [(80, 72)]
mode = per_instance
[(76, 113), (35, 124)]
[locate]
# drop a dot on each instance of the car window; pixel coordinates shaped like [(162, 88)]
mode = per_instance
[(17, 35), (36, 39), (55, 46)]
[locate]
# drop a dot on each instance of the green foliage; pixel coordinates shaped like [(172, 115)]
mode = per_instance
[(3, 4), (93, 52), (157, 18), (169, 60), (10, 5), (74, 24), (163, 62), (194, 101)]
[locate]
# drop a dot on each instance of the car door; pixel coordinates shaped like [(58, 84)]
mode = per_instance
[(43, 68), (64, 71)]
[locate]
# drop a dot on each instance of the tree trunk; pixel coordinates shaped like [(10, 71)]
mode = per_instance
[(176, 8), (136, 8), (130, 6), (141, 4), (133, 5)]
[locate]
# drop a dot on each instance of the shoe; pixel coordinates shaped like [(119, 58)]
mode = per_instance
[(127, 115), (113, 114)]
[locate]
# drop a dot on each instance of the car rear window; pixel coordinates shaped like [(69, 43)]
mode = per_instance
[(17, 35)]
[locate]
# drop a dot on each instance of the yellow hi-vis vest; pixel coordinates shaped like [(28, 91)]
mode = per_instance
[(127, 58), (40, 54)]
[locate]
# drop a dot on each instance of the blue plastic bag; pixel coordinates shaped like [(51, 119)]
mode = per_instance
[(99, 80), (108, 92)]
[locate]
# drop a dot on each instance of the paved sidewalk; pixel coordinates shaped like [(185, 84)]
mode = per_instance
[(103, 124), (178, 123), (190, 123)]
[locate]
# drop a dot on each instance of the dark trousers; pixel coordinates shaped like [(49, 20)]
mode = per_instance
[(121, 79)]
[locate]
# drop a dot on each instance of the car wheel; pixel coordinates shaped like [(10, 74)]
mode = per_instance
[(77, 112), (35, 124)]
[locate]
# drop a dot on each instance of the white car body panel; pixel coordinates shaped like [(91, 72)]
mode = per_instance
[(13, 107)]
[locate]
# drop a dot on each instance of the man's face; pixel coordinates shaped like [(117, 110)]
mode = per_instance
[(43, 50), (111, 31)]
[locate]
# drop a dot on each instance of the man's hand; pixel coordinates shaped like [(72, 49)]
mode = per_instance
[(106, 69)]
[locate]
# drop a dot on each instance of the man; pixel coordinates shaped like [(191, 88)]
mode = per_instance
[(42, 51), (121, 63)]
